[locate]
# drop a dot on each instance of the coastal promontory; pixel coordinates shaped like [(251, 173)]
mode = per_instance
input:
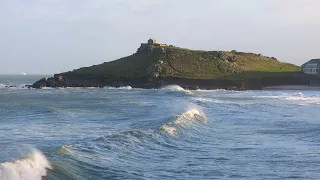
[(154, 65)]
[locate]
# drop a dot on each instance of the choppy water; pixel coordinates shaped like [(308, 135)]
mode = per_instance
[(170, 133)]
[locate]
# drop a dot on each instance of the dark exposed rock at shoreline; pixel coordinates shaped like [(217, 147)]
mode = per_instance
[(153, 82), (55, 81)]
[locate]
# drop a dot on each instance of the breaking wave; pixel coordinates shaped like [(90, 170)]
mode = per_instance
[(176, 88), (32, 167), (126, 147), (132, 138), (190, 117)]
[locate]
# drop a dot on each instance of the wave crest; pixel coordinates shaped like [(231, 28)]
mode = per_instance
[(175, 88), (190, 117), (169, 130), (32, 167)]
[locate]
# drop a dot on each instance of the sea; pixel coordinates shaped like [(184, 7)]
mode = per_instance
[(168, 133)]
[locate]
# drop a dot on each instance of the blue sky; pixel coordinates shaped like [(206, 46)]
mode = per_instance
[(51, 36)]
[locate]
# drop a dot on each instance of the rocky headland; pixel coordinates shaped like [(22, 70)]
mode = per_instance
[(155, 65)]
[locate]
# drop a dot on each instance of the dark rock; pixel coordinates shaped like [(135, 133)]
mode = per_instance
[(273, 58), (28, 86), (192, 87), (40, 84), (231, 59), (51, 83)]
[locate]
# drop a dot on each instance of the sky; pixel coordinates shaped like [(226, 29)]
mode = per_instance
[(53, 36)]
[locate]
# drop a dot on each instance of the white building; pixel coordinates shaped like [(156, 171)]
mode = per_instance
[(312, 67)]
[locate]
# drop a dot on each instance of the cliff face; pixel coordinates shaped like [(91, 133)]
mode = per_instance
[(158, 66)]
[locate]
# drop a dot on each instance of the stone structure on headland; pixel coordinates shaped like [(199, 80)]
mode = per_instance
[(150, 44)]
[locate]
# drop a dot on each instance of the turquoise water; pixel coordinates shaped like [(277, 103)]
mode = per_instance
[(170, 133)]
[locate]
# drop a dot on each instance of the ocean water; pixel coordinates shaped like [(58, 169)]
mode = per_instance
[(169, 133)]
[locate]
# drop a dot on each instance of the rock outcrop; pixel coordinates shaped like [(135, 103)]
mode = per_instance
[(55, 81)]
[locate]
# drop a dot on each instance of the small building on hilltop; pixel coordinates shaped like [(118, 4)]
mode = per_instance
[(312, 67), (152, 41), (150, 44)]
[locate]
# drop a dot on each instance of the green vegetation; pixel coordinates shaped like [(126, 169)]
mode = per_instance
[(179, 62)]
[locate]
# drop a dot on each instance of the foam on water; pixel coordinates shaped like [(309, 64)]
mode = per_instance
[(47, 88), (213, 90), (206, 100), (32, 167), (296, 97), (62, 149), (169, 130), (191, 116), (122, 87), (173, 88), (176, 88)]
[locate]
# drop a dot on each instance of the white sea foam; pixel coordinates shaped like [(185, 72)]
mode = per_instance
[(190, 116), (173, 88), (32, 167), (212, 90), (125, 87), (297, 97), (47, 88), (169, 130), (176, 88), (122, 87), (206, 100)]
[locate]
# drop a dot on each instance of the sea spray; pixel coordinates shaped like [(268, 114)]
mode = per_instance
[(31, 167)]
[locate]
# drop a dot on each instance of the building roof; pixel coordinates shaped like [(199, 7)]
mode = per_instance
[(312, 61)]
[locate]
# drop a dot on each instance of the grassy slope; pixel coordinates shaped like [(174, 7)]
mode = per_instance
[(178, 62)]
